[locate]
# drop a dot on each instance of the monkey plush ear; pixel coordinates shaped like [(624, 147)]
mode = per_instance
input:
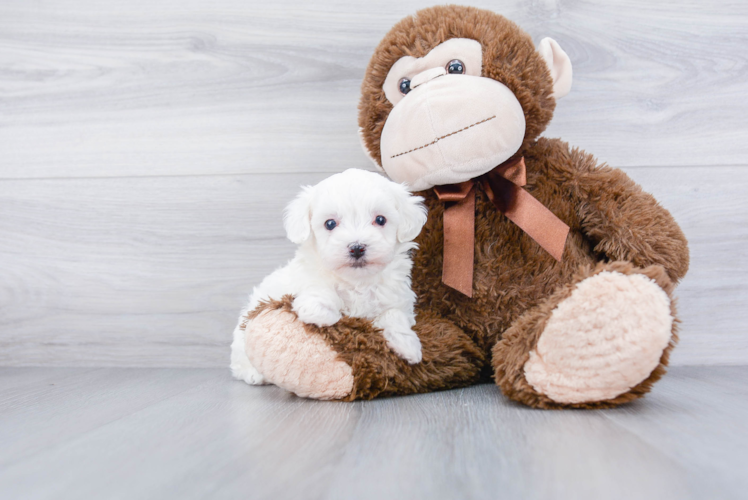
[(366, 150), (297, 218), (559, 64)]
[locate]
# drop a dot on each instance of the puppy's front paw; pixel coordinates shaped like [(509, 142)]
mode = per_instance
[(405, 343), (313, 311), (253, 377), (242, 369)]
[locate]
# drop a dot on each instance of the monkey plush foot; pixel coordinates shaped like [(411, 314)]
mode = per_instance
[(600, 342), (279, 346), (352, 360), (603, 340)]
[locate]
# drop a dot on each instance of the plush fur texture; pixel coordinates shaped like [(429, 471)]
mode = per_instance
[(614, 227), (513, 274)]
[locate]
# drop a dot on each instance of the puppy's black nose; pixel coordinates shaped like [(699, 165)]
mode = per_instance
[(357, 250)]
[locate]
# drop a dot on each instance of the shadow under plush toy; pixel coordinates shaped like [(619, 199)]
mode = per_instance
[(537, 268)]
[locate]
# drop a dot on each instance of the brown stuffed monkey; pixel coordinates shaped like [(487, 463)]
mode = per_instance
[(537, 269)]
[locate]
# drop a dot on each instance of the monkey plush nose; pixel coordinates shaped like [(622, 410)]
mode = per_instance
[(428, 75), (357, 250)]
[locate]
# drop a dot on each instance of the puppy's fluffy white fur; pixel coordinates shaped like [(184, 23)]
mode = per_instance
[(326, 278)]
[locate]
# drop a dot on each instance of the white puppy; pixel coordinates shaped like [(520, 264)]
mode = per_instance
[(355, 231)]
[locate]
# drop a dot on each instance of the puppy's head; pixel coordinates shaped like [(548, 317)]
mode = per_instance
[(356, 221)]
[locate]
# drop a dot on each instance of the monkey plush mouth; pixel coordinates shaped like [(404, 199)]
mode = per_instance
[(444, 137)]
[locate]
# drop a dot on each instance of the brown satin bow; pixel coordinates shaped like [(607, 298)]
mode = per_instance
[(503, 186)]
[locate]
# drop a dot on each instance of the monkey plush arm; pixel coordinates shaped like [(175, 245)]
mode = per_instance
[(351, 359), (624, 222)]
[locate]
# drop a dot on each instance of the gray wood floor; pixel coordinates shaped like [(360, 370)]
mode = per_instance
[(194, 433), (148, 147)]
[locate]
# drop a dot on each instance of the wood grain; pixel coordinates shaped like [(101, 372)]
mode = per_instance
[(711, 208), (91, 89), (146, 153), (680, 419), (153, 271), (157, 266), (191, 433), (106, 397)]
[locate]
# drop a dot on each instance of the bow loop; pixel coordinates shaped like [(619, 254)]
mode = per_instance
[(513, 170), (453, 192)]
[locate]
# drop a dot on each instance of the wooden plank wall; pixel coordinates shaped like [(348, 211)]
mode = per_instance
[(147, 149)]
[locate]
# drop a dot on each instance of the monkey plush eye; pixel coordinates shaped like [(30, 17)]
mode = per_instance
[(455, 67), (404, 86), (330, 224), (380, 220)]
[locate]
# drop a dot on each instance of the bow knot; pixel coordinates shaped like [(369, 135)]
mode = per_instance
[(503, 186)]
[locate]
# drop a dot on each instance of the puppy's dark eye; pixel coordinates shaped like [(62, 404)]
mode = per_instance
[(404, 86), (455, 67), (330, 224), (380, 220)]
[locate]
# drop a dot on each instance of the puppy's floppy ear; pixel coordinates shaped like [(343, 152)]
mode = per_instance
[(412, 212), (297, 218)]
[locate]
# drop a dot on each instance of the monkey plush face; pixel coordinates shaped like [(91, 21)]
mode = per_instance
[(448, 123), (452, 92)]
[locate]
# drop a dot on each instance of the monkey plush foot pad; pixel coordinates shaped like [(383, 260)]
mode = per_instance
[(604, 339), (278, 345)]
